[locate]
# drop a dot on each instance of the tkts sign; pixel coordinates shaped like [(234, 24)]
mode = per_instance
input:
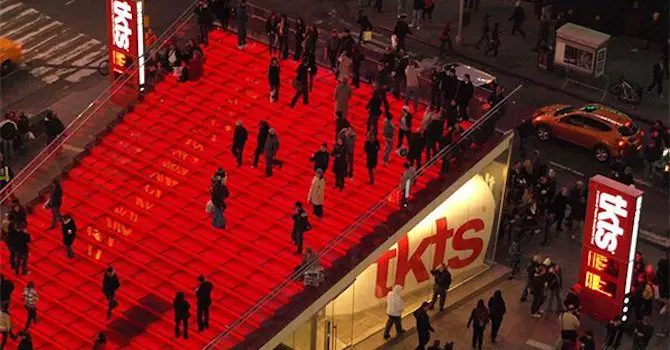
[(610, 237), (126, 36)]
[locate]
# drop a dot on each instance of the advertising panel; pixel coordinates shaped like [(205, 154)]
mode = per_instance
[(457, 233), (608, 250), (126, 36)]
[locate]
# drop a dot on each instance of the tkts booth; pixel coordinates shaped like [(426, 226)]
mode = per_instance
[(608, 251), (125, 20)]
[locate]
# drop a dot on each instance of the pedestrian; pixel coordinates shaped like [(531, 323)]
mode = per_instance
[(415, 149), (554, 282), (240, 136), (517, 18), (300, 226), (464, 95), (6, 328), (544, 28), (181, 314), (316, 193), (442, 282), (398, 73), (586, 341), (364, 26), (55, 202), (271, 25), (346, 42), (205, 20), (345, 68), (203, 294), (432, 135), (110, 284), (394, 308), (479, 318), (436, 78), (300, 83), (428, 8), (261, 138), (401, 8), (497, 310), (340, 162), (388, 132), (357, 59), (53, 126), (413, 85), (371, 148), (663, 276), (6, 173), (531, 267), (407, 180), (219, 192), (642, 334), (321, 158), (271, 148), (242, 13), (652, 153), (274, 79), (100, 341), (423, 326), (558, 208), (300, 32), (22, 249), (572, 298), (404, 126), (25, 341), (484, 36), (374, 107), (401, 30), (342, 96), (614, 333), (9, 133), (378, 5), (69, 231), (222, 11), (30, 298), (577, 197), (348, 135), (569, 324), (6, 290), (330, 51), (417, 13), (657, 77), (445, 39)]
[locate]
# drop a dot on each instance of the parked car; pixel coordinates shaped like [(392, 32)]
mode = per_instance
[(605, 131)]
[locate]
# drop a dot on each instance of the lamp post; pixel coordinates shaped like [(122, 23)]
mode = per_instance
[(461, 7)]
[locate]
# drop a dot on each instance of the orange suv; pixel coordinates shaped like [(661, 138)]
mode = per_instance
[(603, 130)]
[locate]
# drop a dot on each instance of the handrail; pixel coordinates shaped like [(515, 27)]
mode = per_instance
[(355, 225), (103, 98)]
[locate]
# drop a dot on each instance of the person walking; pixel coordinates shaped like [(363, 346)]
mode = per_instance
[(494, 44), (261, 138), (69, 231), (428, 8), (25, 341), (442, 282), (300, 226), (6, 328), (30, 298), (388, 132), (657, 77), (357, 59), (339, 154), (463, 97), (374, 108), (321, 158), (55, 202), (53, 127), (205, 20), (557, 209), (415, 149), (497, 310), (412, 88), (517, 18), (181, 314), (110, 284), (484, 35), (9, 134), (349, 138), (316, 193), (652, 153), (301, 83), (22, 249), (364, 25), (569, 324), (219, 192), (404, 126), (274, 79), (423, 326), (554, 282), (271, 148), (300, 31), (6, 290), (342, 96), (401, 30), (242, 13), (271, 25), (479, 318), (371, 148), (417, 13), (203, 294), (531, 268), (240, 136), (394, 308), (537, 289), (283, 32)]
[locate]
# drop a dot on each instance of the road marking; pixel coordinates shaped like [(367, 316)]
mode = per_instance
[(70, 2), (538, 345), (24, 39), (21, 28), (9, 8)]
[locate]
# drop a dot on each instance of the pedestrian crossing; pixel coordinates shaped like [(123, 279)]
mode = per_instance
[(51, 50)]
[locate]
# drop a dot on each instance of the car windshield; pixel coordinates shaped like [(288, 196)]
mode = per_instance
[(629, 129), (565, 110)]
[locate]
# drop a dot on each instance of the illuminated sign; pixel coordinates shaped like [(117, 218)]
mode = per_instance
[(122, 16), (126, 37), (610, 237)]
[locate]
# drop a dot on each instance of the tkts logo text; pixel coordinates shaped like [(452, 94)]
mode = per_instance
[(472, 246), (609, 212)]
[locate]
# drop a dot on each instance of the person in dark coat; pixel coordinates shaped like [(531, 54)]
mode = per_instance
[(497, 310), (423, 326), (55, 202), (300, 31), (69, 230), (374, 108), (301, 83), (25, 341), (110, 284), (321, 158), (274, 79), (416, 145), (339, 154), (371, 148), (517, 18), (449, 85), (341, 123), (300, 226), (364, 25), (263, 130), (181, 314), (432, 136), (221, 9), (6, 290), (243, 16), (21, 243), (203, 294), (494, 44), (18, 215), (239, 139), (442, 278), (283, 31), (657, 78), (557, 209), (401, 30), (479, 318), (465, 92), (205, 20), (271, 148), (53, 127)]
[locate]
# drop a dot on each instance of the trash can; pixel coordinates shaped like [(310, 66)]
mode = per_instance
[(545, 59)]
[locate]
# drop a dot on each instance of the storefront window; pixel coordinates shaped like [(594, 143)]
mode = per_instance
[(578, 58)]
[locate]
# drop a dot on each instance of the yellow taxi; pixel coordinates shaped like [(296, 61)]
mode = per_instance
[(603, 130), (11, 54)]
